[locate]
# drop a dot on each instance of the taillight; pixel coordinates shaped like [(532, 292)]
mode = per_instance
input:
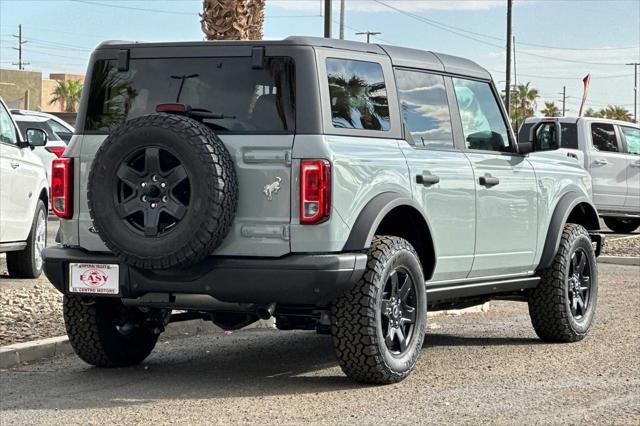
[(57, 150), (62, 187), (315, 191)]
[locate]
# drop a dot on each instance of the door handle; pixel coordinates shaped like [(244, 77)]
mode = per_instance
[(15, 164), (427, 179), (600, 162), (488, 181)]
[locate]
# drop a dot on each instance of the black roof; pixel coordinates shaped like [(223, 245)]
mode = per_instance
[(400, 56)]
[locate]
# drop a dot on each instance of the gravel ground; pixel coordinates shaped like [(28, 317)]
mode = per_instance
[(622, 246), (474, 369)]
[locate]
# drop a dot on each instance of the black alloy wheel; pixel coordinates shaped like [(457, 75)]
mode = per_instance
[(398, 311), (579, 287), (151, 192)]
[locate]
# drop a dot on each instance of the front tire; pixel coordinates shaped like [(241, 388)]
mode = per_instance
[(104, 333), (622, 225), (563, 306), (27, 263), (378, 326)]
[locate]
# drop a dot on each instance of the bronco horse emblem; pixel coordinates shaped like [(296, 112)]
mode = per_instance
[(272, 188)]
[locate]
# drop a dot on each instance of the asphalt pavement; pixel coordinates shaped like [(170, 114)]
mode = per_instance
[(475, 368)]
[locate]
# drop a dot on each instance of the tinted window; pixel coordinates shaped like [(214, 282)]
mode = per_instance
[(604, 137), (632, 137), (569, 135), (423, 99), (251, 100), (7, 131), (523, 133), (57, 127), (358, 95), (546, 137), (482, 122)]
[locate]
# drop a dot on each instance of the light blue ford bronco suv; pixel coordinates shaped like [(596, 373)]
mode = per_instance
[(334, 185)]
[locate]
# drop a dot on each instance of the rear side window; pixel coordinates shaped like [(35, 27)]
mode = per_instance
[(482, 122), (569, 135), (247, 99), (358, 95), (523, 133), (42, 125), (632, 137), (604, 137), (425, 109)]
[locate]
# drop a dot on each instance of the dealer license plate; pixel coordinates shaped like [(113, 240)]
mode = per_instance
[(94, 278)]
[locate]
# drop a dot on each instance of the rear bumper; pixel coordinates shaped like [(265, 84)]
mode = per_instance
[(297, 279)]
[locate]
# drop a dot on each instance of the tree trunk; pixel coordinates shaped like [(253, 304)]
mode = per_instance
[(232, 19)]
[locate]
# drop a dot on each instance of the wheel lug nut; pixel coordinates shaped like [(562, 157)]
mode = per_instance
[(144, 198), (165, 199), (154, 178), (153, 205), (143, 184), (163, 185)]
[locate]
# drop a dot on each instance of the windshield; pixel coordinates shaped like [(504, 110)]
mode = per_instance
[(250, 99)]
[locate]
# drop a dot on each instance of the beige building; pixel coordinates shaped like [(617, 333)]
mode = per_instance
[(28, 90)]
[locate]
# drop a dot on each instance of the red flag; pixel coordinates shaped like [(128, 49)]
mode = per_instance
[(585, 81)]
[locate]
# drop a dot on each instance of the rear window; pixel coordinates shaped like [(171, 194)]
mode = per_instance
[(251, 100)]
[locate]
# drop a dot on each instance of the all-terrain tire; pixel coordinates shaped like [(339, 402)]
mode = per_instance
[(212, 192), (549, 303), (622, 225), (92, 327), (27, 263), (355, 317)]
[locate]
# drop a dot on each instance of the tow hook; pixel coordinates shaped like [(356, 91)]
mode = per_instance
[(598, 239)]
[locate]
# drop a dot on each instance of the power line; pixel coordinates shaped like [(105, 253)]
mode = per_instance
[(461, 34)]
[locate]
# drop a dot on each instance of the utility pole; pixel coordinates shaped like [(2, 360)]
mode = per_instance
[(564, 100), (20, 63), (507, 89), (327, 18), (369, 34), (341, 19), (515, 74), (635, 90)]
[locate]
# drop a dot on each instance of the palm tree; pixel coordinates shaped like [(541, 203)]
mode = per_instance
[(523, 103), (67, 94), (593, 113), (550, 110), (232, 19), (616, 112)]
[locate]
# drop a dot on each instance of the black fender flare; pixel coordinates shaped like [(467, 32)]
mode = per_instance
[(561, 213), (371, 216)]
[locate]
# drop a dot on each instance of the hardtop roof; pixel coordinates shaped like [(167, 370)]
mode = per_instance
[(400, 56)]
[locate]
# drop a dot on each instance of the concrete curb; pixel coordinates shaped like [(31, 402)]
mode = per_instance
[(620, 260), (16, 354)]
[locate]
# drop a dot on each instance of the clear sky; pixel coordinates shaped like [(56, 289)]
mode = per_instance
[(557, 41)]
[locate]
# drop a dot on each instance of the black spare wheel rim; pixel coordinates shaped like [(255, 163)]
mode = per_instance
[(579, 283), (151, 191), (398, 311), (162, 191)]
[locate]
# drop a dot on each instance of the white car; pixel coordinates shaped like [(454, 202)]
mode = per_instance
[(609, 150), (51, 126), (24, 196)]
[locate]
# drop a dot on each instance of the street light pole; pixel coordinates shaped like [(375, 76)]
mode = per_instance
[(635, 90)]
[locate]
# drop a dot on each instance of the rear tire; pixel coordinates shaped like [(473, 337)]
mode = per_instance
[(104, 333), (563, 306), (378, 326), (622, 225), (27, 263)]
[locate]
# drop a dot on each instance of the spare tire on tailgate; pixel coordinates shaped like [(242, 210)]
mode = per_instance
[(162, 191)]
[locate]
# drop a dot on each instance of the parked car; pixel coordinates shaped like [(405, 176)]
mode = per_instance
[(57, 125), (610, 151), (55, 145), (335, 185), (24, 198)]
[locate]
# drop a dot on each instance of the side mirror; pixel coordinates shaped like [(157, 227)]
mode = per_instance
[(36, 137), (544, 136), (525, 148)]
